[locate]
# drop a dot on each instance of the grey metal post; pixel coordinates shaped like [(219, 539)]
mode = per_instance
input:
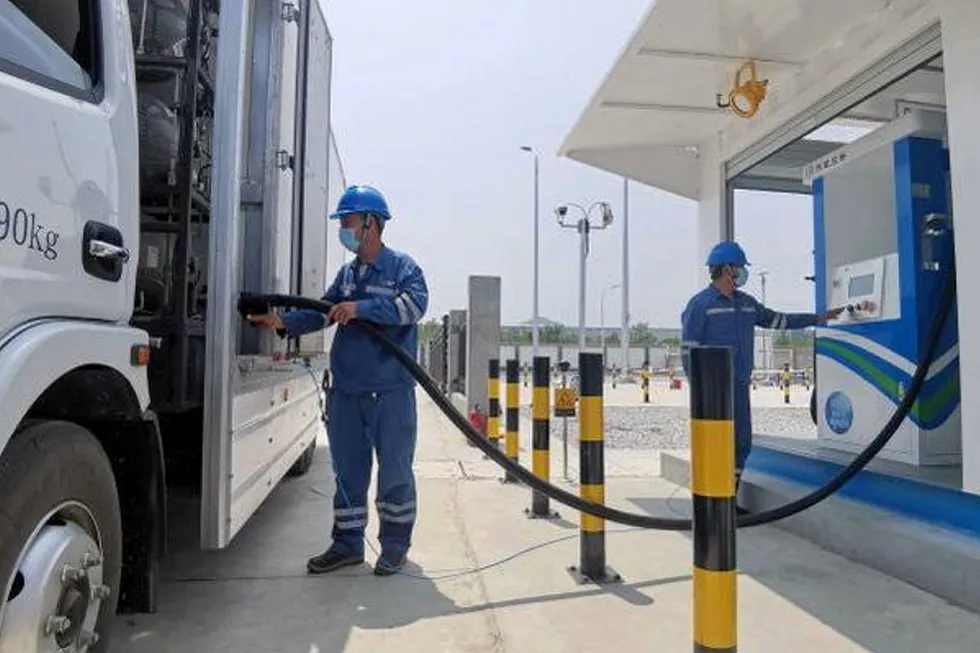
[(535, 317), (583, 230), (535, 337), (624, 339)]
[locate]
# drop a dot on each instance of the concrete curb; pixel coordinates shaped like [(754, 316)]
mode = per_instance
[(940, 561)]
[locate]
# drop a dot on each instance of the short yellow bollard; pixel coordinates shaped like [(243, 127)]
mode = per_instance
[(592, 483), (541, 436), (493, 402), (713, 490), (512, 442)]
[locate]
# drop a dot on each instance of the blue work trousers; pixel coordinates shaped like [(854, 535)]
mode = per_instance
[(743, 424), (360, 425)]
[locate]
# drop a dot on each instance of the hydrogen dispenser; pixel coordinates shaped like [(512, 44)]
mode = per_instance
[(883, 247)]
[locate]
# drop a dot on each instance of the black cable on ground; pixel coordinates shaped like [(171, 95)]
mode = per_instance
[(260, 304)]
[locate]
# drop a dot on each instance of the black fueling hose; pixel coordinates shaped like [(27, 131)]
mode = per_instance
[(261, 304)]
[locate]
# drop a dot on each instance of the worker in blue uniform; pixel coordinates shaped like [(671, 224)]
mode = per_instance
[(723, 315), (372, 403)]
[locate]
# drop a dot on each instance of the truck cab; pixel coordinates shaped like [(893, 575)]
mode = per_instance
[(157, 161)]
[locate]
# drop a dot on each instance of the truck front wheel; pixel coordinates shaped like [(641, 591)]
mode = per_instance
[(60, 541)]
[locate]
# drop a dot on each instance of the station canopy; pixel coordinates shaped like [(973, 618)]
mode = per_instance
[(658, 103)]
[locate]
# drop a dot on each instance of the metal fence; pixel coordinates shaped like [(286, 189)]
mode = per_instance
[(434, 354), (443, 353)]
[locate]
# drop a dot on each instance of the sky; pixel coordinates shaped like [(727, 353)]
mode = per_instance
[(433, 99)]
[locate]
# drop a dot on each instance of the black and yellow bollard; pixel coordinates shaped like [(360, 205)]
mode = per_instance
[(512, 443), (645, 383), (592, 484), (493, 401), (541, 435), (713, 490)]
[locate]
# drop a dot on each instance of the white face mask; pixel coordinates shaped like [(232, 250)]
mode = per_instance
[(348, 238), (352, 237), (741, 277)]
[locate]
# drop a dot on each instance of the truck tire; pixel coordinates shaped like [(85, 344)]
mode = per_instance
[(303, 463), (60, 536)]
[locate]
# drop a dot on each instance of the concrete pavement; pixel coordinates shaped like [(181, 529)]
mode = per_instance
[(255, 596)]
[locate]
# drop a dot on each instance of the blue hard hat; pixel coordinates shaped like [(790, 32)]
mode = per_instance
[(727, 252), (361, 199)]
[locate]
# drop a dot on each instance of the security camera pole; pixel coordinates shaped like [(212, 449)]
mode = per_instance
[(584, 227)]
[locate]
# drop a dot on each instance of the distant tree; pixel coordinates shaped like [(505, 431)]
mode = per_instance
[(802, 338), (641, 335), (516, 336), (782, 339), (552, 334), (430, 330)]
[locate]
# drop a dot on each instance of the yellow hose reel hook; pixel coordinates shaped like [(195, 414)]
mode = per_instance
[(752, 91)]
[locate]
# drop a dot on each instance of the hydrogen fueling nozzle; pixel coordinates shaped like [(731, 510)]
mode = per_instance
[(259, 304), (249, 304)]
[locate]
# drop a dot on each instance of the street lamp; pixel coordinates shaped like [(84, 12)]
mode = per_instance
[(765, 334), (584, 226), (534, 309), (624, 338), (602, 315)]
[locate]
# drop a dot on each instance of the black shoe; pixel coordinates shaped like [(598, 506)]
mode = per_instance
[(389, 565), (739, 510), (330, 560)]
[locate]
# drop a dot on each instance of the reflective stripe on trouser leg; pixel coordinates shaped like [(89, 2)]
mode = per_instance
[(351, 451), (395, 428)]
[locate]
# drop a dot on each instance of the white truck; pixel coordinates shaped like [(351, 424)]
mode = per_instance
[(159, 157)]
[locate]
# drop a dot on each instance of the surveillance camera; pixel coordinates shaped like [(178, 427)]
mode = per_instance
[(607, 215), (561, 211)]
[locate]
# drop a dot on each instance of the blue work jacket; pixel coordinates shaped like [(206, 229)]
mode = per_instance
[(712, 319), (390, 292)]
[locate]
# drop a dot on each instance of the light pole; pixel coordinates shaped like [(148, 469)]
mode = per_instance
[(602, 315), (624, 338), (584, 227), (765, 334), (534, 308)]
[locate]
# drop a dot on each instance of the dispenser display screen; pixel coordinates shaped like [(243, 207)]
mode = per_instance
[(861, 286)]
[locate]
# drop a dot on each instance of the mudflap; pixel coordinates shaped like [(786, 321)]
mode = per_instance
[(135, 449)]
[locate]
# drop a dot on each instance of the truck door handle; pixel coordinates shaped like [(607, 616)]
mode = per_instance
[(103, 251)]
